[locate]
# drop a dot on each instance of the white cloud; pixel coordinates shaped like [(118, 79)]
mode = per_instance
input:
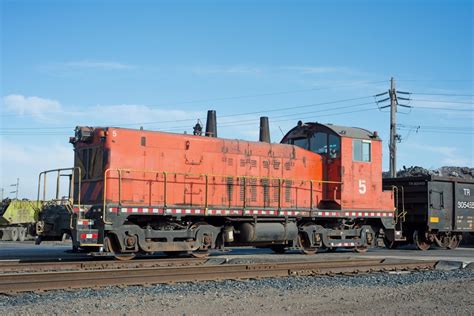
[(317, 69), (27, 160), (231, 70), (102, 65), (35, 106), (79, 66), (252, 69)]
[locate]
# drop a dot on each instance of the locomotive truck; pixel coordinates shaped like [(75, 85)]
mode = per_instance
[(135, 191)]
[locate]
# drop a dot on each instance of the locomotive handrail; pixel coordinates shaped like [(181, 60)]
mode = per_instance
[(396, 192), (70, 200), (206, 178), (219, 175)]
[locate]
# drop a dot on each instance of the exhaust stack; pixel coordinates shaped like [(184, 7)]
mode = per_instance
[(211, 124), (264, 135)]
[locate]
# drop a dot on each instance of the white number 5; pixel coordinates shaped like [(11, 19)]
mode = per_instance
[(362, 187)]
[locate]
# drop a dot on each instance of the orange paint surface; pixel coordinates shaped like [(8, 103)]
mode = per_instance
[(187, 159), (362, 188)]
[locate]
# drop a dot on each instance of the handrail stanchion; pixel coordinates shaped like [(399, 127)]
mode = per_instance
[(120, 186), (164, 189), (395, 192), (404, 213), (104, 211), (58, 184), (245, 193), (39, 189), (44, 187), (279, 192), (79, 181), (206, 191)]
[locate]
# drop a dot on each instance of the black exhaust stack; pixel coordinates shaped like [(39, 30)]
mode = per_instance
[(211, 124), (264, 130)]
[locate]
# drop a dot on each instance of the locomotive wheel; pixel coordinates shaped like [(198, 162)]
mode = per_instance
[(110, 246), (279, 249), (21, 233), (454, 242), (420, 240), (361, 249), (304, 243), (201, 252), (445, 241), (14, 234)]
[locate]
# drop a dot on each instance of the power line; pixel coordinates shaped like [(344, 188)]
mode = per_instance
[(194, 119), (440, 132), (252, 121), (437, 127), (311, 112), (445, 94), (249, 95), (443, 109), (272, 93), (444, 101), (228, 124), (439, 80)]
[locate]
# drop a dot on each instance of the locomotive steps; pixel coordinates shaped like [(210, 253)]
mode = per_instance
[(16, 277)]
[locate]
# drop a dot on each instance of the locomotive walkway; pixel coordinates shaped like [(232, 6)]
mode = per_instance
[(15, 278)]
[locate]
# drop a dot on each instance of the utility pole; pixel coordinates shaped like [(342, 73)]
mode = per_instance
[(394, 137), (2, 190), (393, 129)]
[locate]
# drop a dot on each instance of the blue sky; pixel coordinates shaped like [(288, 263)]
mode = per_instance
[(133, 63)]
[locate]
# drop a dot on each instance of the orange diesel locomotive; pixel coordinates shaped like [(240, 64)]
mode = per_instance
[(136, 191)]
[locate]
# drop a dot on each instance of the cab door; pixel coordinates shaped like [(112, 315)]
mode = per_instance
[(328, 146)]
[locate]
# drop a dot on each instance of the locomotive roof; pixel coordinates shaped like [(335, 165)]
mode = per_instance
[(343, 131)]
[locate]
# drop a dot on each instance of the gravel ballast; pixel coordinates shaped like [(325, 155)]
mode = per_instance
[(438, 292)]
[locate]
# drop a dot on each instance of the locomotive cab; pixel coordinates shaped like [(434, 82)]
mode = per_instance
[(352, 165)]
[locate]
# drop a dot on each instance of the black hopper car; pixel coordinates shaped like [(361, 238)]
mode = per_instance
[(433, 210)]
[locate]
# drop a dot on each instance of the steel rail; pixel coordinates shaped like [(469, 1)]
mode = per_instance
[(41, 281), (21, 267)]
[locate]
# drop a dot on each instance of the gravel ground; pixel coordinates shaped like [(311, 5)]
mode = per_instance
[(434, 292)]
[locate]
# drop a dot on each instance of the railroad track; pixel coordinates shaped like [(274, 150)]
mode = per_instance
[(55, 266), (11, 283)]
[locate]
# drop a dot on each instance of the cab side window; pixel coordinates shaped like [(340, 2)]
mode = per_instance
[(361, 150), (301, 142), (334, 146), (318, 143)]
